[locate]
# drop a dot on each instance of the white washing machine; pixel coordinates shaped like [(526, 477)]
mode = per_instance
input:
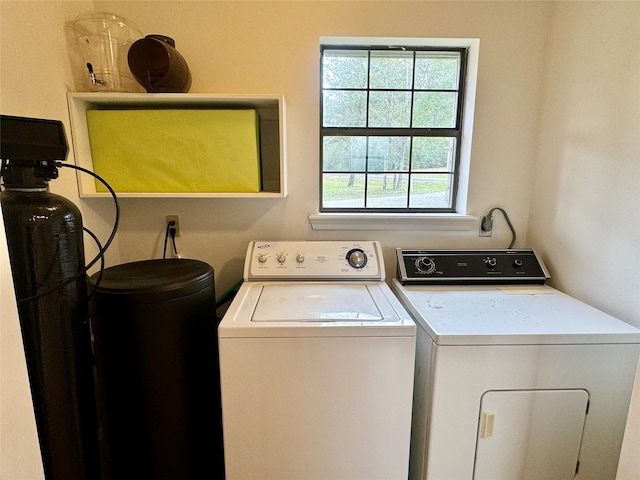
[(514, 379), (316, 366)]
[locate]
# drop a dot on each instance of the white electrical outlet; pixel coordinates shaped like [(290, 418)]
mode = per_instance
[(484, 233), (176, 225)]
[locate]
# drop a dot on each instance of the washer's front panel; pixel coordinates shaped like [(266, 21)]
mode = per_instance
[(321, 408)]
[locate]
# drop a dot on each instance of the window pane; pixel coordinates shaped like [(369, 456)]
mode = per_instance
[(387, 190), (343, 190), (391, 70), (433, 153), (390, 128), (389, 109), (434, 109), (430, 191), (344, 69), (344, 154), (344, 109), (388, 154), (437, 71)]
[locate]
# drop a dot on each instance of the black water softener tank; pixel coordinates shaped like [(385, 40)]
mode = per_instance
[(157, 373)]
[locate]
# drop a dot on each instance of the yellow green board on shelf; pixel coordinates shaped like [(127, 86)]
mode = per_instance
[(176, 150)]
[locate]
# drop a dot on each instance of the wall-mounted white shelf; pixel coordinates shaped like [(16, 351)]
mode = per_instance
[(270, 108)]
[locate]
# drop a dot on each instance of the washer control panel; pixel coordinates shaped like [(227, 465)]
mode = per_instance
[(314, 260), (451, 267)]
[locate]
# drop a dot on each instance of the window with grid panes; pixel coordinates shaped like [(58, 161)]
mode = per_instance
[(390, 128)]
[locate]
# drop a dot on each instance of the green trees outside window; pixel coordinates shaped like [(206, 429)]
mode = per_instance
[(390, 126)]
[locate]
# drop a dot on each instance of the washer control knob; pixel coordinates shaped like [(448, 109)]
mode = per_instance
[(357, 258), (300, 258), (490, 261), (262, 258), (281, 258), (426, 265), (517, 263)]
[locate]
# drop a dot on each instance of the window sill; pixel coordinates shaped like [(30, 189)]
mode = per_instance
[(350, 221)]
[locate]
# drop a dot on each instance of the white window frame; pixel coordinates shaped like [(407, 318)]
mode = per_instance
[(418, 221)]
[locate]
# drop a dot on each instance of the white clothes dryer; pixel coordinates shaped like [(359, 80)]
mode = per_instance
[(514, 379), (316, 366)]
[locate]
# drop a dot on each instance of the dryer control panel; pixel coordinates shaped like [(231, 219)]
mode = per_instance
[(459, 267), (314, 260)]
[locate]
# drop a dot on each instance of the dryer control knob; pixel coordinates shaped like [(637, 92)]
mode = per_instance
[(281, 258), (491, 261), (426, 265), (357, 258), (262, 258), (300, 258)]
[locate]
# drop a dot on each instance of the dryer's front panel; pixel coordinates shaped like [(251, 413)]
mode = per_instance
[(462, 375), (530, 434)]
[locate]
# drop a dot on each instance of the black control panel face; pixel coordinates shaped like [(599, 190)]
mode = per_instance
[(472, 267)]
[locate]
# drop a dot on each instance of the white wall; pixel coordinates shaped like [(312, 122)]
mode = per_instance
[(34, 74), (272, 47), (585, 210)]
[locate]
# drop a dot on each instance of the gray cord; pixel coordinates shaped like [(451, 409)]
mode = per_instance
[(487, 224)]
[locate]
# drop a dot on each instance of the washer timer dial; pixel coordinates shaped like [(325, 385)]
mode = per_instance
[(425, 265), (357, 258)]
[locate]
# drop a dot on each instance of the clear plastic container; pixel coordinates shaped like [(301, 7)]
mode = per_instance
[(104, 40)]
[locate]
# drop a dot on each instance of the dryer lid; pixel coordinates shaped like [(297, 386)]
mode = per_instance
[(507, 315)]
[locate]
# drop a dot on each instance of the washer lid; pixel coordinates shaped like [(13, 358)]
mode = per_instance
[(309, 309), (507, 315), (306, 303)]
